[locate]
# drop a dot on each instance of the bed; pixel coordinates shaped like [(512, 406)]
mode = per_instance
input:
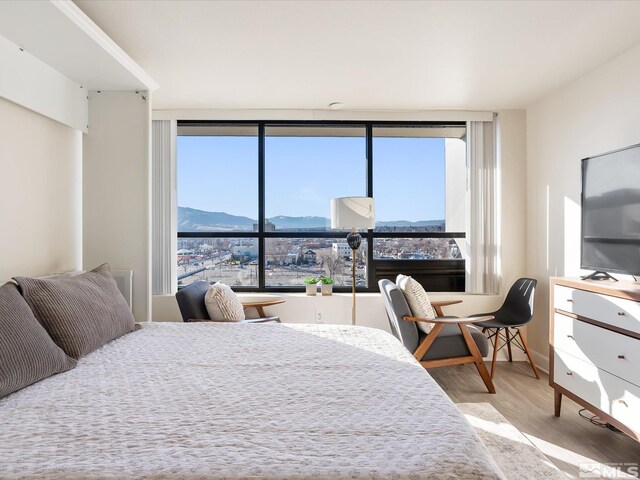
[(229, 401)]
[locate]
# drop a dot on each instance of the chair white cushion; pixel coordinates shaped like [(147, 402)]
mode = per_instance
[(223, 305), (418, 301)]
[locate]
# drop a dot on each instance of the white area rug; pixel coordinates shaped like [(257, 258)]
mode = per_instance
[(518, 458)]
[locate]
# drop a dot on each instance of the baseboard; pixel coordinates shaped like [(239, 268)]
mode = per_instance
[(542, 361)]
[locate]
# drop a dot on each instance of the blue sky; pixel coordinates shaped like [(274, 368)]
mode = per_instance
[(304, 173)]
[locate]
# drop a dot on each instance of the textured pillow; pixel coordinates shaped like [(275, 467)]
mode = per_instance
[(417, 299), (223, 305), (27, 353), (81, 313)]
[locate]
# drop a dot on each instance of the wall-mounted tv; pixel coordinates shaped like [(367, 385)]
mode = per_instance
[(611, 213)]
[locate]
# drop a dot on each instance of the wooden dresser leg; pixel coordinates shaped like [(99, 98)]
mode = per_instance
[(557, 402)]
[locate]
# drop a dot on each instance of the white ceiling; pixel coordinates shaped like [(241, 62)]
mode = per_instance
[(471, 55)]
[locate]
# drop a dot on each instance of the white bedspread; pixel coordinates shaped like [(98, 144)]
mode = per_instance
[(228, 401)]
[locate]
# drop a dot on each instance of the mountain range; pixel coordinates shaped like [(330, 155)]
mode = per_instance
[(193, 220)]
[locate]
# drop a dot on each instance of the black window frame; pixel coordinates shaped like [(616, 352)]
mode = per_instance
[(446, 275)]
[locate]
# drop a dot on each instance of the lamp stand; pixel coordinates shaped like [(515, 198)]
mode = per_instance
[(353, 239)]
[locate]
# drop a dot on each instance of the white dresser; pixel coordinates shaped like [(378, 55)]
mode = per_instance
[(594, 349)]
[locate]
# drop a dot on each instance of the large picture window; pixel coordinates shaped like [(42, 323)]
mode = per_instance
[(253, 202)]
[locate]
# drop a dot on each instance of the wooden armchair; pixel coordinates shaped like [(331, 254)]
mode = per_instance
[(453, 341), (193, 309)]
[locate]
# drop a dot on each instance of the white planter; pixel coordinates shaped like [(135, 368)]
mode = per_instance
[(327, 288), (311, 289)]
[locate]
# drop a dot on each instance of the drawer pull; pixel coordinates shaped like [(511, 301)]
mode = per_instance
[(569, 373), (569, 300), (621, 357), (570, 336), (620, 313), (623, 402)]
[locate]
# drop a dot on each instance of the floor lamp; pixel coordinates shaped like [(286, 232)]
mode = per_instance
[(352, 213)]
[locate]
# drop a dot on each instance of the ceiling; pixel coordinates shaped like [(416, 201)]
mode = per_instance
[(397, 55)]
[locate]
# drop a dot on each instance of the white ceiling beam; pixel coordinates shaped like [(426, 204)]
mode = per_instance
[(300, 114), (31, 83), (65, 38)]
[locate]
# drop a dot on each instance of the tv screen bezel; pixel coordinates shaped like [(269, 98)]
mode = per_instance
[(583, 266)]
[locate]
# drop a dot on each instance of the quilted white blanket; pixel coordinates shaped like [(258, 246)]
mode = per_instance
[(226, 401)]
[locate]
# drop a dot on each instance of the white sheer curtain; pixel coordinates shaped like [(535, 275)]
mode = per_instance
[(482, 274), (163, 238)]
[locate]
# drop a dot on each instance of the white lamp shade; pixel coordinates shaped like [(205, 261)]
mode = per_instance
[(352, 212)]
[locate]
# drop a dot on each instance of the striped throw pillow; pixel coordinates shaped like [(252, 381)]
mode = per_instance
[(418, 300), (80, 313), (27, 353)]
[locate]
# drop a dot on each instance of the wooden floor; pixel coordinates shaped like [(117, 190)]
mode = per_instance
[(528, 404)]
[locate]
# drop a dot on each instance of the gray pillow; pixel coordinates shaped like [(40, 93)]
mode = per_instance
[(27, 353), (81, 313)]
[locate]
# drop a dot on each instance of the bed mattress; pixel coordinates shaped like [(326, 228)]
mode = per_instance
[(225, 401)]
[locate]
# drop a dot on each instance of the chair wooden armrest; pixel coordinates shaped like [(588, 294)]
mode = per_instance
[(260, 304), (248, 320), (261, 320), (438, 304), (448, 320)]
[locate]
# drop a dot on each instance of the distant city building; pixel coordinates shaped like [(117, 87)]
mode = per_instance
[(250, 251), (292, 257), (454, 249), (268, 226), (341, 249), (309, 257)]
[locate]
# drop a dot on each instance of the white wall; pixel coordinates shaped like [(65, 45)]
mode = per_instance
[(40, 194), (116, 194), (512, 200), (595, 114)]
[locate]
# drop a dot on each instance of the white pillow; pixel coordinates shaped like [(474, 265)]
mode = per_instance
[(418, 301), (223, 305)]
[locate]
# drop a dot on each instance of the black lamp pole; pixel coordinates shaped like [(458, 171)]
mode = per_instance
[(354, 240)]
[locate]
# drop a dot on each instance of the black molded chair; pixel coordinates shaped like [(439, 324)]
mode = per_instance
[(193, 309), (451, 342), (515, 312)]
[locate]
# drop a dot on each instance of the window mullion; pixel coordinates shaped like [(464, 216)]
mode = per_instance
[(371, 278), (261, 206)]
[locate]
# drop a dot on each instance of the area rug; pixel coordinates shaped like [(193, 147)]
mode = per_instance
[(518, 458)]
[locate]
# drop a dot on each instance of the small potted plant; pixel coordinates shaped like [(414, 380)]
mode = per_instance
[(326, 285), (311, 284)]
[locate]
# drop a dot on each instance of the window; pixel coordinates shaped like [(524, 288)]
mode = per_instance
[(253, 202), (217, 173)]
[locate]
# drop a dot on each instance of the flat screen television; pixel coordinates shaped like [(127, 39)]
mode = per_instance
[(611, 212)]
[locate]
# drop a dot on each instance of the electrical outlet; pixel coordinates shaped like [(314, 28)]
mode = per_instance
[(318, 316)]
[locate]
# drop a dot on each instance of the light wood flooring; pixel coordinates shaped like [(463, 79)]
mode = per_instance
[(528, 404)]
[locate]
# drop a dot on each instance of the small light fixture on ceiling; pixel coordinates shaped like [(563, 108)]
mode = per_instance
[(336, 106)]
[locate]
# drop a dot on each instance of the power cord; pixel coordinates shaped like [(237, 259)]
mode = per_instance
[(597, 421)]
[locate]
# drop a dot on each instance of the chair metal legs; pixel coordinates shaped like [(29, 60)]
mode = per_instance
[(509, 337)]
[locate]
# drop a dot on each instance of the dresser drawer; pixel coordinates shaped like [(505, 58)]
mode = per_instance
[(610, 310), (613, 352), (607, 392)]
